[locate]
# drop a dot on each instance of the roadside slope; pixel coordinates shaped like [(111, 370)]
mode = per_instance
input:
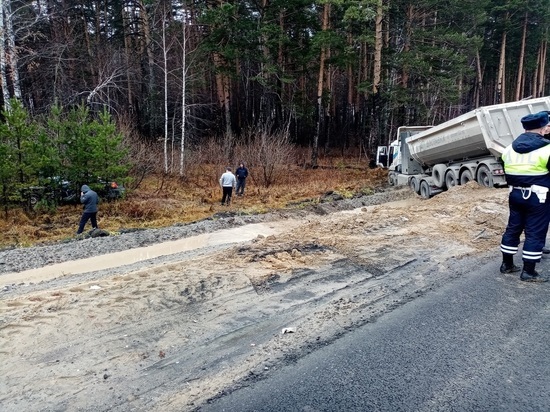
[(171, 336)]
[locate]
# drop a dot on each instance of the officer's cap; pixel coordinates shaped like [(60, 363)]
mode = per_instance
[(535, 121)]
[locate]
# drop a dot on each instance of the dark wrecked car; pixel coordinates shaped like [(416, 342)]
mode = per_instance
[(57, 191), (110, 190)]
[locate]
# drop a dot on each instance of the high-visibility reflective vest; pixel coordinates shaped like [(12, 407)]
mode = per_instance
[(526, 164)]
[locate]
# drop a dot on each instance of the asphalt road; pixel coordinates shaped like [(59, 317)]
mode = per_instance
[(480, 343)]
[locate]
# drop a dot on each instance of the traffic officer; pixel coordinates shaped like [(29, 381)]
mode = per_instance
[(527, 169)]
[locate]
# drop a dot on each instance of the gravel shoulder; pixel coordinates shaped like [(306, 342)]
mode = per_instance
[(171, 332), (16, 260)]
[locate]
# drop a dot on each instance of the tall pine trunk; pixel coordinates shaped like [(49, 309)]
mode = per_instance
[(376, 77), (320, 88), (378, 42), (126, 21), (500, 96), (222, 89), (540, 76), (521, 74), (479, 81), (147, 52)]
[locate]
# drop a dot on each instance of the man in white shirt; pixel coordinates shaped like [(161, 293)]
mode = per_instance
[(227, 182)]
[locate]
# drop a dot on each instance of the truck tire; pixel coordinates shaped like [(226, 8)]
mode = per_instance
[(438, 175), (450, 179), (484, 176), (466, 177), (425, 191), (414, 185)]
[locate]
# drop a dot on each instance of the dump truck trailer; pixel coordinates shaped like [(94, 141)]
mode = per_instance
[(431, 159)]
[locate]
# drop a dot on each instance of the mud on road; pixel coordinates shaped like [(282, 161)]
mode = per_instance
[(171, 333)]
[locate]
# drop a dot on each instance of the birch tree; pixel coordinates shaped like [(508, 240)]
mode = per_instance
[(3, 58), (165, 66), (183, 89), (14, 60), (8, 54)]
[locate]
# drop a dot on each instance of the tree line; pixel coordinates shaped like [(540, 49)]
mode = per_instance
[(65, 145), (327, 74)]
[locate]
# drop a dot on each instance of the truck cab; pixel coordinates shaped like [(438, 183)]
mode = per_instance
[(386, 155), (389, 157)]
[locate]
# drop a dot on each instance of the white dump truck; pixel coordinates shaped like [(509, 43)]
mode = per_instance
[(431, 159)]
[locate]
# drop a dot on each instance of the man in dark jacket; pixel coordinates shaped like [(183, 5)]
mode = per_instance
[(527, 169), (90, 200), (242, 174)]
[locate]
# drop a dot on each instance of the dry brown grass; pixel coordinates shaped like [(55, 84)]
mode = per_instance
[(161, 201)]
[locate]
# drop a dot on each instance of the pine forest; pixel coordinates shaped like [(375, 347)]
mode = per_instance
[(327, 75)]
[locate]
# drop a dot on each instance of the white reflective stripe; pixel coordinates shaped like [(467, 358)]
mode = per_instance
[(535, 258), (531, 255), (528, 174), (511, 250), (526, 252)]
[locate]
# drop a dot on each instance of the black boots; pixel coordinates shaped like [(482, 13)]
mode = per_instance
[(529, 274), (509, 268), (508, 264), (533, 276)]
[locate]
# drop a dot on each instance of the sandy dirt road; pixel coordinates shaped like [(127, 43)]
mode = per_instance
[(172, 336)]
